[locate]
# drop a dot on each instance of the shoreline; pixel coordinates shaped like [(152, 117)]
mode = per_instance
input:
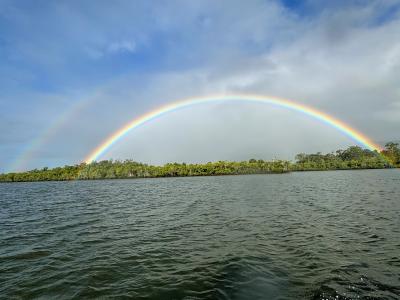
[(207, 175), (352, 158)]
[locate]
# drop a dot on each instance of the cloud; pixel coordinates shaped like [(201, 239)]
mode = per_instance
[(123, 46), (113, 48)]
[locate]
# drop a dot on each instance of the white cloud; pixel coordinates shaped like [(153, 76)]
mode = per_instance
[(113, 48), (122, 46)]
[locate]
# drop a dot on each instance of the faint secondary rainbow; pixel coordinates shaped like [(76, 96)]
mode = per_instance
[(45, 137), (180, 104)]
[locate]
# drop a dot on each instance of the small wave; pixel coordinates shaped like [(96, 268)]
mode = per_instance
[(27, 255)]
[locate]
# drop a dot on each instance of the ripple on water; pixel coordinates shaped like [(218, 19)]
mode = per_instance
[(312, 235)]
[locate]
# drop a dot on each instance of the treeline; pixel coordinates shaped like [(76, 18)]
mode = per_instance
[(109, 169), (353, 157)]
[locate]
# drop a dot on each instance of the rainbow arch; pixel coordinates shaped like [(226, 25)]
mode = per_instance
[(280, 102)]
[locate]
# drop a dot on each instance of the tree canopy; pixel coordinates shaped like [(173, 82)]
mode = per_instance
[(353, 157)]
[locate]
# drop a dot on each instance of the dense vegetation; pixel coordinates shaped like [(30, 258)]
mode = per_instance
[(353, 157)]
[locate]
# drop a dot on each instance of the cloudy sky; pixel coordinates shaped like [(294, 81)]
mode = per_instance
[(73, 72)]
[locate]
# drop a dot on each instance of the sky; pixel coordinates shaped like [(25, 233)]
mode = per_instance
[(73, 72)]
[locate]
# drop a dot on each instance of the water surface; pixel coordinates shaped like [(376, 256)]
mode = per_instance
[(311, 235)]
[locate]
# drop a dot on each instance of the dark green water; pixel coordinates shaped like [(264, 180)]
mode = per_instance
[(314, 235)]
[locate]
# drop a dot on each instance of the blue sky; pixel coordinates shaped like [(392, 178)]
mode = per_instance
[(75, 71)]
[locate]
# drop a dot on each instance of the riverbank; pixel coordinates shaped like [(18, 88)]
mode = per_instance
[(205, 175), (353, 158)]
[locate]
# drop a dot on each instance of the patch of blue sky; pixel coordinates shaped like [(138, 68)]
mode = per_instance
[(386, 14)]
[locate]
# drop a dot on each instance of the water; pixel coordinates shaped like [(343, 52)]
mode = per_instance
[(313, 235)]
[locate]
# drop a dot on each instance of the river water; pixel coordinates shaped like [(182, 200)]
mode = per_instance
[(311, 235)]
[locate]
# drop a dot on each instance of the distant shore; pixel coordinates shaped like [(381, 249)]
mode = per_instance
[(186, 176), (353, 158)]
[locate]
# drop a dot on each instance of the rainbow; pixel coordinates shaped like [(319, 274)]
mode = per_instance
[(284, 103), (63, 119)]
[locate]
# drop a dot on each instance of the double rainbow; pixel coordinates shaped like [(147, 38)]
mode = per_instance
[(284, 103)]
